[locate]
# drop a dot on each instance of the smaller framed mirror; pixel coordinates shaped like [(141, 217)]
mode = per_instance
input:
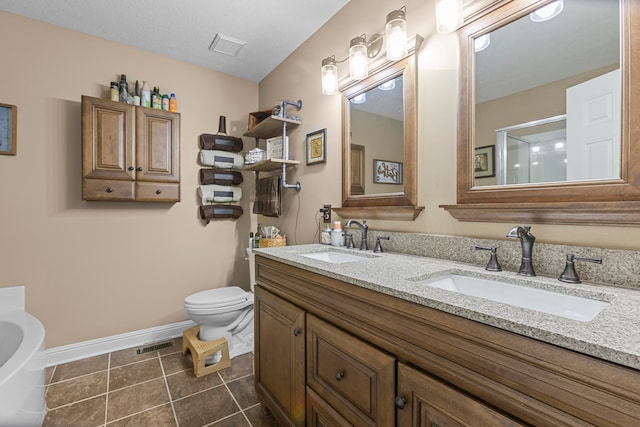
[(379, 144)]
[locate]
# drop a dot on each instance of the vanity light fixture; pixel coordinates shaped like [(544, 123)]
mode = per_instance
[(448, 15), (361, 51), (359, 99), (358, 58), (388, 85), (329, 73), (482, 42), (547, 12)]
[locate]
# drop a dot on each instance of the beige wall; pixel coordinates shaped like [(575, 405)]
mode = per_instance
[(95, 269), (299, 77)]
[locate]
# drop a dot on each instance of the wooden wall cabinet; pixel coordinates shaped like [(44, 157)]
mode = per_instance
[(129, 153), (375, 360)]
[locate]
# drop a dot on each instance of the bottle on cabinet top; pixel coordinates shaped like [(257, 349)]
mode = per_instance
[(173, 103), (145, 99)]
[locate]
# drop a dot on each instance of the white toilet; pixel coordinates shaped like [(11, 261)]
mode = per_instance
[(225, 312)]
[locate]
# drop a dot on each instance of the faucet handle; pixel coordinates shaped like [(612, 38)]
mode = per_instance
[(569, 274), (493, 264), (350, 244), (378, 247)]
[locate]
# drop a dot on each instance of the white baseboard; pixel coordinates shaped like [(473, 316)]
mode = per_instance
[(81, 350)]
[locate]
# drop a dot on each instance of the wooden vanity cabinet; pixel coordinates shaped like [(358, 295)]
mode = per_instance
[(447, 370), (129, 153), (279, 357)]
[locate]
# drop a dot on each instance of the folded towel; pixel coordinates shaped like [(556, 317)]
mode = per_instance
[(210, 212), (219, 193), (220, 177), (221, 142), (268, 197), (221, 159)]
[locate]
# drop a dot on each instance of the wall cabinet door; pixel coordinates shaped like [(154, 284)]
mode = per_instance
[(107, 139), (280, 357), (157, 154), (426, 402)]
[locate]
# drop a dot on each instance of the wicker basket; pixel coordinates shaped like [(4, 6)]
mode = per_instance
[(272, 243)]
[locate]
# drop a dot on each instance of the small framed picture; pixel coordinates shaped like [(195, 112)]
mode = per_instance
[(317, 147), (387, 172), (484, 161), (8, 129)]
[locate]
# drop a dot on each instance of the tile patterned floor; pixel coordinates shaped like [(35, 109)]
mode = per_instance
[(152, 389)]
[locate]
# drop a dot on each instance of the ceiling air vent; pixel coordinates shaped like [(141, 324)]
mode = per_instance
[(227, 45)]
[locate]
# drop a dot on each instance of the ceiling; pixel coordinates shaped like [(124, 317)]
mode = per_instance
[(184, 30)]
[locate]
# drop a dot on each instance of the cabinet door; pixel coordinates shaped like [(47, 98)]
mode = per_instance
[(354, 377), (107, 139), (320, 414), (424, 401), (157, 142), (279, 357)]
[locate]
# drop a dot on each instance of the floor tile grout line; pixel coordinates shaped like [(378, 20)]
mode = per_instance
[(136, 413), (235, 400), (75, 401), (166, 384), (79, 376)]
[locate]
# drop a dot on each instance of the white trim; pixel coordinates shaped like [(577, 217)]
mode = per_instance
[(81, 350)]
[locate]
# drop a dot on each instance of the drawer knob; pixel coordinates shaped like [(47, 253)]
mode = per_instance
[(297, 332), (109, 190), (400, 402), (131, 168), (158, 191), (339, 375), (139, 168)]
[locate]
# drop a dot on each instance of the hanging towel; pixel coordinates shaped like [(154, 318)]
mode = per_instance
[(268, 198), (221, 142), (219, 193), (221, 159), (220, 177)]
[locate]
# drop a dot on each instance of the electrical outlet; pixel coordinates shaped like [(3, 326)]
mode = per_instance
[(326, 214)]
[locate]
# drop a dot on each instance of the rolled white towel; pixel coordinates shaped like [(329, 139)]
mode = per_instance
[(219, 193), (221, 159)]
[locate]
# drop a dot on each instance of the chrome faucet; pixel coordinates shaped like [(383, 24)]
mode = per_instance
[(526, 240), (363, 232)]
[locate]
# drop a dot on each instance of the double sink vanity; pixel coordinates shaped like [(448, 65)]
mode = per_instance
[(349, 337)]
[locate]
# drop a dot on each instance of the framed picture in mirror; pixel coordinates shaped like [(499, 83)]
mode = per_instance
[(484, 162), (387, 172), (8, 129)]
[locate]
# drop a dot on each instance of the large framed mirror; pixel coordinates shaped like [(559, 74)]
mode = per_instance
[(379, 143), (555, 102)]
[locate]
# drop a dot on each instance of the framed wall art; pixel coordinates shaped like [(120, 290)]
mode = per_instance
[(317, 147), (387, 172), (8, 129), (484, 162)]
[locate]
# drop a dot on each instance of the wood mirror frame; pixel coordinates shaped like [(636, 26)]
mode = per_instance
[(606, 202), (400, 206)]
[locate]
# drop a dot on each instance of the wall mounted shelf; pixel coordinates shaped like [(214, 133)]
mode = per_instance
[(271, 126), (270, 165)]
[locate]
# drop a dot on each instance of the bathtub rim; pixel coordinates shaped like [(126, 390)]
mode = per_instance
[(31, 344)]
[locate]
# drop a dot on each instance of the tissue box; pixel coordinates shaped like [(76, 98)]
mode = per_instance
[(274, 147)]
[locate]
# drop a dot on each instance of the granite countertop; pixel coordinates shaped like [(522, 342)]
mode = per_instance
[(613, 335)]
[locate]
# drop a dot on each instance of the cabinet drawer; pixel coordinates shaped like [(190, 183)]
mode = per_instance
[(104, 189), (353, 377), (157, 192)]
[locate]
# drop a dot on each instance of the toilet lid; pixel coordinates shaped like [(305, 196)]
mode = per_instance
[(218, 297)]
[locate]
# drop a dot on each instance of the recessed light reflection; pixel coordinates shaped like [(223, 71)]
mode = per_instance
[(359, 99), (547, 12)]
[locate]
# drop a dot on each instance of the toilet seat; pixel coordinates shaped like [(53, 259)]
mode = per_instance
[(219, 299)]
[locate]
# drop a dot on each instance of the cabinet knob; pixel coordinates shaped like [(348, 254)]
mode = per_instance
[(297, 332), (400, 402), (131, 168), (339, 375), (158, 191), (139, 169), (109, 190)]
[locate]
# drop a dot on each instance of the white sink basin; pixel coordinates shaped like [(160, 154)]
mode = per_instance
[(568, 306), (334, 257)]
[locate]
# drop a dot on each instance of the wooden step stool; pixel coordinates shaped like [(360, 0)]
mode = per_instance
[(200, 350)]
